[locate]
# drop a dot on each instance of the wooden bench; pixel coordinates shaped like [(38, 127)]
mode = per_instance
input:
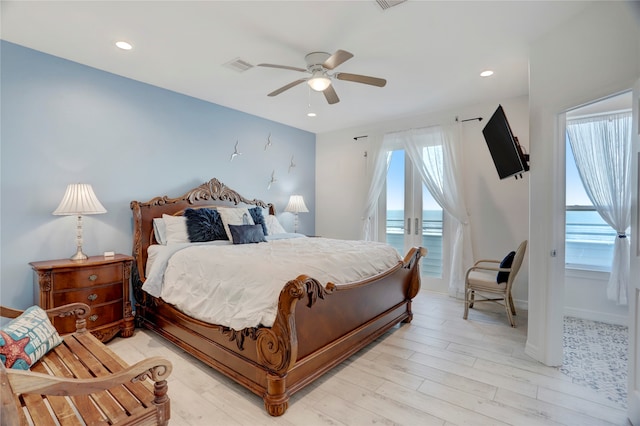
[(82, 381)]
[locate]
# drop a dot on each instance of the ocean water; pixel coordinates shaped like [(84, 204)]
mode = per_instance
[(589, 240), (431, 238)]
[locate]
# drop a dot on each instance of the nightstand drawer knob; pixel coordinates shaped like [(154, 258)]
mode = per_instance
[(93, 318), (92, 297), (93, 277)]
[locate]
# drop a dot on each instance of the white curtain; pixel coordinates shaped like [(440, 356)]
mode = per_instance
[(380, 159), (601, 147), (436, 154)]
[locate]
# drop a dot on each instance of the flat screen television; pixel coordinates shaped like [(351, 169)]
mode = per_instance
[(504, 147)]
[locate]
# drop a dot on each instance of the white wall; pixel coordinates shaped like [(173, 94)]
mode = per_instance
[(594, 55), (498, 208)]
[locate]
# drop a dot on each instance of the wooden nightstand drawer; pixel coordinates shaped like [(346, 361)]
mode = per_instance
[(101, 282), (100, 315), (88, 277), (91, 296)]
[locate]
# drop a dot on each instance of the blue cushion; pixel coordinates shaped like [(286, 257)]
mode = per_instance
[(27, 338), (506, 263), (204, 225), (258, 218), (246, 234)]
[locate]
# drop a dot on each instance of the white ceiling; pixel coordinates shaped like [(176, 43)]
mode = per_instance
[(430, 52)]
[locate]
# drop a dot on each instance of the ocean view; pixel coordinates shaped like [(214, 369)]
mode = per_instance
[(589, 240)]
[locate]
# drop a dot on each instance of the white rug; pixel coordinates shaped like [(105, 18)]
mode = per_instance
[(595, 354)]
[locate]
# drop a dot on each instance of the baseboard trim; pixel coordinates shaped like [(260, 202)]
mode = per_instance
[(597, 316)]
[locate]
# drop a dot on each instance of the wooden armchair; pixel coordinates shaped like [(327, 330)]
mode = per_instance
[(81, 381), (482, 278)]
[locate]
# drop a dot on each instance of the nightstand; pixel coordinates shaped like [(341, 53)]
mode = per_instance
[(100, 282)]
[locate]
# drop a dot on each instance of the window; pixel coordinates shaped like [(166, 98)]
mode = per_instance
[(408, 200), (589, 240)]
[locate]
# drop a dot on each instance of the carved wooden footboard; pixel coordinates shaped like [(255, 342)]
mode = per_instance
[(316, 326)]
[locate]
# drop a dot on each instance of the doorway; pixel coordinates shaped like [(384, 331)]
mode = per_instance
[(595, 328), (414, 218)]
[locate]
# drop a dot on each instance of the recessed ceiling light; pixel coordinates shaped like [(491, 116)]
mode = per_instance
[(311, 114), (124, 45), (486, 73)]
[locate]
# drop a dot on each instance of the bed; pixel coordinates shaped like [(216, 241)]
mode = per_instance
[(316, 325)]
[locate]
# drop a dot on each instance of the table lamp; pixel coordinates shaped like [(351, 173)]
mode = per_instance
[(296, 205), (78, 200)]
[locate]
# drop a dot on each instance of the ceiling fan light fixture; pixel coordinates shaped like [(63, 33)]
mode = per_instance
[(319, 82)]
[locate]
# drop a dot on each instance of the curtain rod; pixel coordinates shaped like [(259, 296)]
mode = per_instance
[(468, 119), (355, 138)]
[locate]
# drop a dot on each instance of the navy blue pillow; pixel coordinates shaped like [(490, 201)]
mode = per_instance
[(506, 263), (204, 225), (245, 234), (258, 218)]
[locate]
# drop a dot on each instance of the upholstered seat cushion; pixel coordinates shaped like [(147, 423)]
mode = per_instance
[(486, 280)]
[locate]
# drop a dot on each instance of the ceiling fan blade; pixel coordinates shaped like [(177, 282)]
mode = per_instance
[(284, 67), (287, 87), (364, 79), (331, 95), (336, 59)]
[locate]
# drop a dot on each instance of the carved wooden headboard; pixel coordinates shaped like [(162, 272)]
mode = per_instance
[(212, 193)]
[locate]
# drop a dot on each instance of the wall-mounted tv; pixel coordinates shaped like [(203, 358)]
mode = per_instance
[(504, 147)]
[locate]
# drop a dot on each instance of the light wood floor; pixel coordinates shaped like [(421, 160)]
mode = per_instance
[(439, 369)]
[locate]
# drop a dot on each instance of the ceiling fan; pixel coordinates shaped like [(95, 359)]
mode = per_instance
[(318, 65)]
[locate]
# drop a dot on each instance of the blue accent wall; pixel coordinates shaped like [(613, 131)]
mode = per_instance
[(62, 122)]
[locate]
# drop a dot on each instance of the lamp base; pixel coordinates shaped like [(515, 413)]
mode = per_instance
[(79, 255)]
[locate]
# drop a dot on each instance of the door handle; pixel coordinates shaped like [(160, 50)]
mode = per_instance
[(416, 230), (408, 226)]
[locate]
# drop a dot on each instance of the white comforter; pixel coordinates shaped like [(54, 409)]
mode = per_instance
[(238, 285)]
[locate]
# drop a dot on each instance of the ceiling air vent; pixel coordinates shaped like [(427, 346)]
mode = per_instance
[(239, 65), (386, 4)]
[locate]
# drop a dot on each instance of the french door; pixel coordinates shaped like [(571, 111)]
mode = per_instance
[(413, 219)]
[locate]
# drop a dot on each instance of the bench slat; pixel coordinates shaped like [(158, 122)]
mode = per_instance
[(83, 403), (60, 405), (143, 391)]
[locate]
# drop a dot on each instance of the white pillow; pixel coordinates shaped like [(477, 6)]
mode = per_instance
[(160, 230), (234, 216), (176, 229), (273, 225)]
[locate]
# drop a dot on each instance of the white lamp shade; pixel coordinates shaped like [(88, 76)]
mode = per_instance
[(296, 205), (79, 199)]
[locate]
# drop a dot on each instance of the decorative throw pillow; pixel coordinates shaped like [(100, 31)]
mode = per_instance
[(273, 225), (176, 229), (160, 230), (234, 216), (506, 263), (27, 338), (258, 218), (204, 225), (246, 234)]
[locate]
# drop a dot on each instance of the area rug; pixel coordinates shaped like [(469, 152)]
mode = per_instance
[(595, 355)]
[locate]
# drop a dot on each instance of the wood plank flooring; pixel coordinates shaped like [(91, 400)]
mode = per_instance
[(437, 370)]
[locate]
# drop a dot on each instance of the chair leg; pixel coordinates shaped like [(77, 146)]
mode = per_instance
[(513, 306), (472, 295), (466, 304), (509, 308)]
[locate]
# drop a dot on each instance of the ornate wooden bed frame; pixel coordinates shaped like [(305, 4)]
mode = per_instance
[(306, 340)]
